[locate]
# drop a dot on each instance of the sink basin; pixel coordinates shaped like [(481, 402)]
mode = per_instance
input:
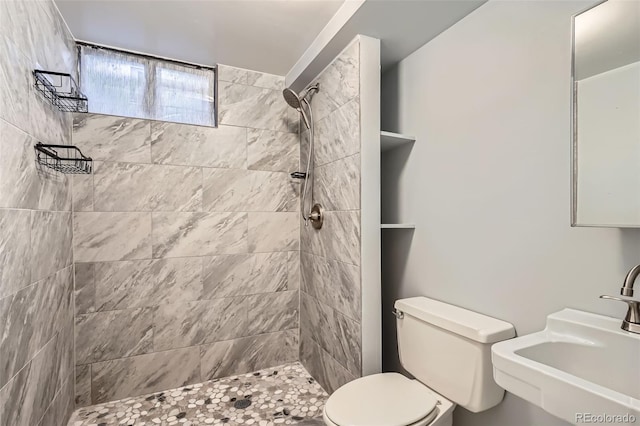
[(580, 365)]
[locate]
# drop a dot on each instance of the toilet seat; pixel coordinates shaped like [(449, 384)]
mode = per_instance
[(388, 399)]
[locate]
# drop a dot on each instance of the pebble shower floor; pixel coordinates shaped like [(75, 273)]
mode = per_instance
[(279, 395)]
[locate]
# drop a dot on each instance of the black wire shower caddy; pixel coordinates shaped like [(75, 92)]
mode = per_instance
[(61, 90), (63, 158)]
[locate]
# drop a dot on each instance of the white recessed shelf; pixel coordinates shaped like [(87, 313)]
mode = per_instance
[(390, 140), (398, 226)]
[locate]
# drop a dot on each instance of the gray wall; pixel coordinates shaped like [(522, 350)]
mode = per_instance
[(186, 244), (36, 280), (487, 181), (330, 301)]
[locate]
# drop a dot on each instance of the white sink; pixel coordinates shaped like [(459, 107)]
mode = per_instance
[(581, 363)]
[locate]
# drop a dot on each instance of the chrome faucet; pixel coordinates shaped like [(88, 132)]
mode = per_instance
[(631, 322)]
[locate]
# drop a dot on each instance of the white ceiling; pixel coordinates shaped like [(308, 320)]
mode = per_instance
[(264, 35), (607, 37)]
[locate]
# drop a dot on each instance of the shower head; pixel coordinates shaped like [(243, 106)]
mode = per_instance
[(296, 102), (292, 98)]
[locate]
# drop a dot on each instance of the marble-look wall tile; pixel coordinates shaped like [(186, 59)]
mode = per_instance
[(84, 288), (25, 399), (294, 269), (339, 238), (232, 74), (82, 193), (268, 81), (199, 234), (146, 187), (179, 325), (51, 241), (99, 236), (15, 75), (83, 385), (61, 407), (326, 370), (236, 190), (337, 184), (109, 335), (338, 135), (113, 138), (15, 250), (334, 332), (249, 106), (274, 232), (30, 318), (185, 145), (138, 375), (248, 354), (273, 151), (252, 78), (24, 184), (339, 82), (272, 312), (146, 283), (333, 283), (245, 274)]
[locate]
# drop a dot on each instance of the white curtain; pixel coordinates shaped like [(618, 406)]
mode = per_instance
[(129, 85)]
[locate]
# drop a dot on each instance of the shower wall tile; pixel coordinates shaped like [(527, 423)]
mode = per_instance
[(338, 135), (51, 242), (103, 336), (335, 333), (268, 81), (146, 283), (106, 236), (272, 312), (339, 82), (339, 238), (232, 74), (185, 145), (274, 232), (82, 193), (233, 190), (24, 184), (294, 277), (145, 187), (112, 138), (15, 251), (30, 318), (85, 288), (326, 370), (245, 274), (249, 106), (273, 151), (138, 375), (83, 385), (333, 283), (36, 282), (248, 354), (61, 407), (337, 184), (179, 325), (199, 234)]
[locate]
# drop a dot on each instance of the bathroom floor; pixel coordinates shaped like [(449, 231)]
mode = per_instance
[(279, 395)]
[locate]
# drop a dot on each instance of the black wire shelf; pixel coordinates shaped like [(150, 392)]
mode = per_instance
[(61, 90), (66, 159)]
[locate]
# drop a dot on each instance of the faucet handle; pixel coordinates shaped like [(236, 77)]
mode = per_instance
[(632, 320)]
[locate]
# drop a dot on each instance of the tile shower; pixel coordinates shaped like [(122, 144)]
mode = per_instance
[(182, 258)]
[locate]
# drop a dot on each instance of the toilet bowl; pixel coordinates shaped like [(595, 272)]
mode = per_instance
[(448, 351), (388, 399)]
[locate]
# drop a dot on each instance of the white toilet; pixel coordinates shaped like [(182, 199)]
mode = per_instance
[(447, 349)]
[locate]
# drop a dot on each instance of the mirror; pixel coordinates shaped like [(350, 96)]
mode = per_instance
[(606, 115)]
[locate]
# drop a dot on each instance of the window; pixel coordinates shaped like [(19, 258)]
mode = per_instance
[(130, 85)]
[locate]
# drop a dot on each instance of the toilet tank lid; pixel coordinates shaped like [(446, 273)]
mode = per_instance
[(472, 325)]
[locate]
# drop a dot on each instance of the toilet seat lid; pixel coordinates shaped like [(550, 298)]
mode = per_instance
[(388, 399)]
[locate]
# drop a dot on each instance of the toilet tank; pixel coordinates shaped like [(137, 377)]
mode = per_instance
[(448, 349)]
